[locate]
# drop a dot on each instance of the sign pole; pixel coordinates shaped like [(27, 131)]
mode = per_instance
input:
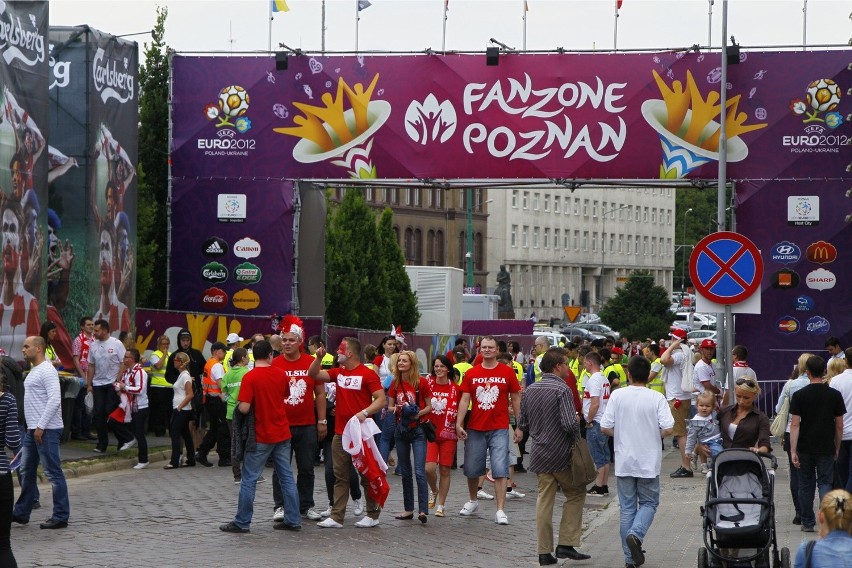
[(722, 353)]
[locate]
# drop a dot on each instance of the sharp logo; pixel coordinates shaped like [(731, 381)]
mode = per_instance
[(786, 252), (821, 252), (215, 247), (821, 279), (20, 41), (110, 81)]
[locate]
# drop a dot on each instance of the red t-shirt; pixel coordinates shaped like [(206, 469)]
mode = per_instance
[(489, 394), (300, 403), (478, 359), (355, 390), (445, 408), (265, 388), (571, 381), (407, 394)]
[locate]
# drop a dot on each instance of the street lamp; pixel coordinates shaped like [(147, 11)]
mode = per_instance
[(603, 246), (683, 264), (468, 194)]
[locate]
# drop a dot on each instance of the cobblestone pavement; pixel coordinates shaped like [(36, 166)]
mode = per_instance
[(160, 518)]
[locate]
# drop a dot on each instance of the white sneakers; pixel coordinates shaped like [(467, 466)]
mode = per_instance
[(439, 511), (358, 507), (515, 494), (469, 508), (484, 495), (327, 513), (501, 519), (367, 523), (279, 514), (131, 444), (312, 515), (140, 465), (329, 523)]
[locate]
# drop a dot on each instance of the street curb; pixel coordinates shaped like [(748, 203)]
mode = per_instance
[(73, 469)]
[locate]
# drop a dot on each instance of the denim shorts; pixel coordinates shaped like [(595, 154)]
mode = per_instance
[(493, 442), (598, 445)]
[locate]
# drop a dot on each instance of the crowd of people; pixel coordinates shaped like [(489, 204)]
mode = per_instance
[(621, 400)]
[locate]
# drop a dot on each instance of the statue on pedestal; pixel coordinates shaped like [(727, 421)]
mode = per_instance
[(504, 290)]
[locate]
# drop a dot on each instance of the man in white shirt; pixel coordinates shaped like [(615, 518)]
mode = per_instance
[(705, 374), (843, 383), (674, 359), (106, 355), (637, 417), (595, 397), (43, 413)]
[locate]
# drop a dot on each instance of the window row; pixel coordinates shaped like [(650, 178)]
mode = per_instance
[(590, 207), (556, 239), (428, 197)]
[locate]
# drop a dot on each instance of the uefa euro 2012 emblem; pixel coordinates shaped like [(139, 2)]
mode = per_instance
[(822, 96), (230, 109)]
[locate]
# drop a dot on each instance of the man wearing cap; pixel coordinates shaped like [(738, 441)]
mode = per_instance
[(614, 370), (705, 375), (233, 340), (215, 407), (675, 359)]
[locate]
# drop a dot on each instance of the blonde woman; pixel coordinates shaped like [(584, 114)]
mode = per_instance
[(835, 367), (410, 400), (182, 413), (834, 549)]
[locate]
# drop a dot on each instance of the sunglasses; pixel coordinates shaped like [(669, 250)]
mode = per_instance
[(750, 383)]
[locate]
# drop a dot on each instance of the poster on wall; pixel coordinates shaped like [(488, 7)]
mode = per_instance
[(23, 169), (94, 118), (232, 246)]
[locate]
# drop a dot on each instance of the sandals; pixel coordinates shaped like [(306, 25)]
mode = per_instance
[(404, 517)]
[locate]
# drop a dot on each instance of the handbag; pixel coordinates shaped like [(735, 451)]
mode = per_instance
[(583, 469), (428, 430), (779, 423)]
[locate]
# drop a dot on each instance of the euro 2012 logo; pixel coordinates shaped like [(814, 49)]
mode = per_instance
[(822, 96), (232, 104)]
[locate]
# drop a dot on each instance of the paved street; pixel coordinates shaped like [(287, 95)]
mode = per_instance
[(156, 517)]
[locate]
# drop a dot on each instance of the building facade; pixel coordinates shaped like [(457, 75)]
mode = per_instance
[(565, 247)]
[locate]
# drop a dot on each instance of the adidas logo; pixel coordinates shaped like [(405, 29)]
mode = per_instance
[(214, 248)]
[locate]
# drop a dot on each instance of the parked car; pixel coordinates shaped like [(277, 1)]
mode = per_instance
[(571, 330), (600, 329), (555, 338), (695, 320), (699, 335)]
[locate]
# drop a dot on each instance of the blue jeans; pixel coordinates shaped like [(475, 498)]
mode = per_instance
[(303, 444), (386, 438), (794, 476), (47, 453), (815, 472), (253, 463), (638, 497), (403, 454)]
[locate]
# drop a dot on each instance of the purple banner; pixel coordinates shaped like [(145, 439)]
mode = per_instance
[(805, 238), (636, 116), (231, 246)]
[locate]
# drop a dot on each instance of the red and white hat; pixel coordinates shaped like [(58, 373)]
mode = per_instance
[(396, 333), (678, 333), (708, 344)]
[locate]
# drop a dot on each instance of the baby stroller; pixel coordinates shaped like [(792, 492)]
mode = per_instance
[(739, 513)]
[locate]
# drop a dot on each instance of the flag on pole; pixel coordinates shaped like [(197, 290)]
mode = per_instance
[(446, 5), (280, 6), (526, 6), (364, 4), (618, 4)]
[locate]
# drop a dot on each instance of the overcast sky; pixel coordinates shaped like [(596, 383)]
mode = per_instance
[(413, 25)]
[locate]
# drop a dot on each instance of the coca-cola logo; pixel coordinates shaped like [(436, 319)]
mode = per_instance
[(214, 272), (20, 41), (111, 81), (214, 298)]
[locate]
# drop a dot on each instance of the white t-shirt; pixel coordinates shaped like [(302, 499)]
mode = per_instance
[(637, 414), (674, 376), (704, 372), (596, 385), (843, 383), (180, 390)]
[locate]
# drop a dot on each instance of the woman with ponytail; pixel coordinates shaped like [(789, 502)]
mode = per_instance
[(834, 549)]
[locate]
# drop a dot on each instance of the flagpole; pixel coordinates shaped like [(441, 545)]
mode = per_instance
[(525, 24), (710, 23), (269, 37), (322, 24), (444, 35), (805, 26), (615, 29), (357, 20)]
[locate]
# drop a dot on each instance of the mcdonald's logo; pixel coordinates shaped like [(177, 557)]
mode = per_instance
[(821, 252)]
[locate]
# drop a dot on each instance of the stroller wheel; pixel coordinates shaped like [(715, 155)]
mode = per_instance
[(785, 558), (703, 558)]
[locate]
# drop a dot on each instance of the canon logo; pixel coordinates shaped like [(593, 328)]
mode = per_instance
[(240, 248)]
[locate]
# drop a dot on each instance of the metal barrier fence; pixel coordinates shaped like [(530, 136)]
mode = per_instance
[(769, 393)]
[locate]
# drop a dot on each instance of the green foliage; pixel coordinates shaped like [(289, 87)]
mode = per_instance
[(354, 294), (403, 302), (699, 223), (153, 186), (639, 309)]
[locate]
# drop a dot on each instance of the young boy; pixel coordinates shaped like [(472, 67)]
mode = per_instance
[(703, 428)]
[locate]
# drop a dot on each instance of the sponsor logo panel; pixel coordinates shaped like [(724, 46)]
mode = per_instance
[(786, 252), (803, 210), (247, 273), (214, 247), (821, 279), (231, 207), (214, 298), (821, 252), (787, 325), (817, 325), (247, 248), (246, 299), (803, 303), (214, 272), (785, 279)]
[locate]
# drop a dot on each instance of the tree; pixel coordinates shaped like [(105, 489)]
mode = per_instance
[(639, 309), (699, 223), (403, 302), (355, 295), (153, 181)]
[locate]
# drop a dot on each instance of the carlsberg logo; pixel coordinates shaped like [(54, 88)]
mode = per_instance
[(16, 42), (111, 82)]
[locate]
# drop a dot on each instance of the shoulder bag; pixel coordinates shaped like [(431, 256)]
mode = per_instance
[(779, 424), (583, 469)]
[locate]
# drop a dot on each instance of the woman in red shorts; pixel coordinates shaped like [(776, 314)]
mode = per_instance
[(445, 408)]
